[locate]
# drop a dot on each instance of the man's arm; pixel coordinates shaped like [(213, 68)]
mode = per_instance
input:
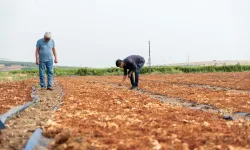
[(123, 80), (55, 55), (124, 77), (37, 56)]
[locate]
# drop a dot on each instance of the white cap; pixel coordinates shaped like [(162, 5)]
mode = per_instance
[(47, 35)]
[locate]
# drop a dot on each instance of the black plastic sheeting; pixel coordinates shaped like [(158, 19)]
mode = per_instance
[(204, 107), (37, 140), (16, 110), (228, 116), (34, 95), (243, 114), (201, 107), (13, 111)]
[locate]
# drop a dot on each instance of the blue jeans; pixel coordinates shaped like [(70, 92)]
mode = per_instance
[(42, 67)]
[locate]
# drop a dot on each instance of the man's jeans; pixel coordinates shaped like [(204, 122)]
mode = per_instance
[(137, 71), (42, 67)]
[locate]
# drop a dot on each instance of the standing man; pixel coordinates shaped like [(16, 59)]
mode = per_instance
[(134, 63), (44, 58)]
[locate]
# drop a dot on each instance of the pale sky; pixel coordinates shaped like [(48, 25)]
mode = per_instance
[(94, 33)]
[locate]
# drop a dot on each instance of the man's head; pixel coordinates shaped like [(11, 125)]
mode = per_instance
[(120, 63), (47, 36)]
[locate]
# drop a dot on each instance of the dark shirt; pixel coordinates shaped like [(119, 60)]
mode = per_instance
[(131, 63)]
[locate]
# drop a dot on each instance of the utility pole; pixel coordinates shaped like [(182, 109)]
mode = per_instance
[(188, 58), (149, 59)]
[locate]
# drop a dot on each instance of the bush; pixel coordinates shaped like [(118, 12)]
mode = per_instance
[(145, 70)]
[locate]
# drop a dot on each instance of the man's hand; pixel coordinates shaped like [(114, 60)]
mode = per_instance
[(56, 61), (55, 55), (37, 56), (124, 78)]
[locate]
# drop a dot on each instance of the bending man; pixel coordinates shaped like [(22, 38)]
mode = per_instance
[(134, 64)]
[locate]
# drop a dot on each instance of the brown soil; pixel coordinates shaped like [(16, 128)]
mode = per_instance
[(233, 80), (106, 117), (20, 127), (14, 94), (230, 100), (99, 115)]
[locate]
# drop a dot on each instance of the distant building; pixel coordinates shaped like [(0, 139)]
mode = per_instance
[(2, 66), (15, 67)]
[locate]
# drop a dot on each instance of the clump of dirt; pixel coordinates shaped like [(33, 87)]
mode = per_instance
[(62, 139)]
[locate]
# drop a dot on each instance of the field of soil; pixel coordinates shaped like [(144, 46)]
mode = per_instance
[(97, 113), (109, 117), (216, 89), (235, 80)]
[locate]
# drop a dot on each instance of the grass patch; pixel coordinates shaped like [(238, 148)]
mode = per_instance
[(9, 77), (145, 70)]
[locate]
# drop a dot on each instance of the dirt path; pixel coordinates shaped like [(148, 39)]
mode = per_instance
[(20, 127)]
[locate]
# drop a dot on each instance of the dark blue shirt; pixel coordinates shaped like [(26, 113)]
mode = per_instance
[(131, 63)]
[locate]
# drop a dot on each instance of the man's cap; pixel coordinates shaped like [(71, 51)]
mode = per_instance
[(47, 34), (118, 62)]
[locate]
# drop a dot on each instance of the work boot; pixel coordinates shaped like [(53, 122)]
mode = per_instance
[(134, 88), (43, 88), (49, 88)]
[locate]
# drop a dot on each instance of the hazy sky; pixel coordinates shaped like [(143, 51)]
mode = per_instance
[(94, 33)]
